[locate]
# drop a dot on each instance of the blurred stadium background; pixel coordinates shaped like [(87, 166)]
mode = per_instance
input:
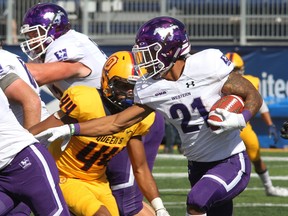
[(256, 29)]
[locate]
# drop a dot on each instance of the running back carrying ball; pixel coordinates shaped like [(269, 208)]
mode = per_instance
[(231, 103)]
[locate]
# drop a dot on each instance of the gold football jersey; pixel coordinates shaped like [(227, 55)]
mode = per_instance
[(86, 157)]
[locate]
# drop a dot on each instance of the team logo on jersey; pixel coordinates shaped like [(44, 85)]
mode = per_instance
[(61, 55), (25, 163), (190, 83), (226, 60)]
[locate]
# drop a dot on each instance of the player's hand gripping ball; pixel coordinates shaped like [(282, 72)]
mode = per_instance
[(231, 103)]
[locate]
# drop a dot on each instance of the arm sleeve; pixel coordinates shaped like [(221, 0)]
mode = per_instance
[(7, 80)]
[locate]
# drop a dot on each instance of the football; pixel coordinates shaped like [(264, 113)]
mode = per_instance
[(231, 103)]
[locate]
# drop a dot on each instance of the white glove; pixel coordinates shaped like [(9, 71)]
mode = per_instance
[(231, 121), (162, 212), (50, 135)]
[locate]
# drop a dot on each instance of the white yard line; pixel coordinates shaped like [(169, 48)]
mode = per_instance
[(179, 157), (185, 175), (236, 205), (179, 190)]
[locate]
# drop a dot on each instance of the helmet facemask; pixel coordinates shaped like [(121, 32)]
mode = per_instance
[(119, 76), (37, 41), (121, 92), (149, 57)]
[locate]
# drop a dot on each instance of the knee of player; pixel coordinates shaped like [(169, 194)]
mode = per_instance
[(196, 203), (254, 156)]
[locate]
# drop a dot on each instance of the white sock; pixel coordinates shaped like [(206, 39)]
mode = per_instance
[(265, 178), (187, 214)]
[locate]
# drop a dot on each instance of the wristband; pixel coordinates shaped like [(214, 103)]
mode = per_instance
[(157, 204), (247, 115), (74, 129)]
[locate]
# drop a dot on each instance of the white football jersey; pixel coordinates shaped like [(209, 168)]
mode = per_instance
[(186, 102), (75, 46), (13, 136), (11, 63)]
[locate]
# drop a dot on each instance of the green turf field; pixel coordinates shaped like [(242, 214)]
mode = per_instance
[(170, 172)]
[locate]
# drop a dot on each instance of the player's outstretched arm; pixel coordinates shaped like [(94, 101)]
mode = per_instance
[(100, 126), (50, 72)]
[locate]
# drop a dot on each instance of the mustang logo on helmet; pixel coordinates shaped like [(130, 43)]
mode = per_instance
[(166, 32)]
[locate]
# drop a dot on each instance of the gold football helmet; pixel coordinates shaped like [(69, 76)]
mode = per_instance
[(237, 61), (119, 76)]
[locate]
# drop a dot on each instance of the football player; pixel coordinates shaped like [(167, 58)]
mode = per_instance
[(119, 171), (249, 136), (28, 173), (82, 163), (183, 88), (70, 58), (28, 107)]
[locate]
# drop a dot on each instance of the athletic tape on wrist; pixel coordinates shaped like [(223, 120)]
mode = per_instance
[(157, 204), (247, 115), (74, 129)]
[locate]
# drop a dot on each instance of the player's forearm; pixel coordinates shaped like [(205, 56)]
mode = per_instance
[(267, 118), (253, 102), (149, 189), (112, 124), (45, 73), (51, 121), (147, 185), (238, 85), (39, 72), (97, 127), (31, 107)]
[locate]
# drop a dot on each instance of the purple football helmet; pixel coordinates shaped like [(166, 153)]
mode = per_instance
[(159, 43), (42, 24)]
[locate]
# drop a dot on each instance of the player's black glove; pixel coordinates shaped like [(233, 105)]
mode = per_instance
[(284, 130)]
